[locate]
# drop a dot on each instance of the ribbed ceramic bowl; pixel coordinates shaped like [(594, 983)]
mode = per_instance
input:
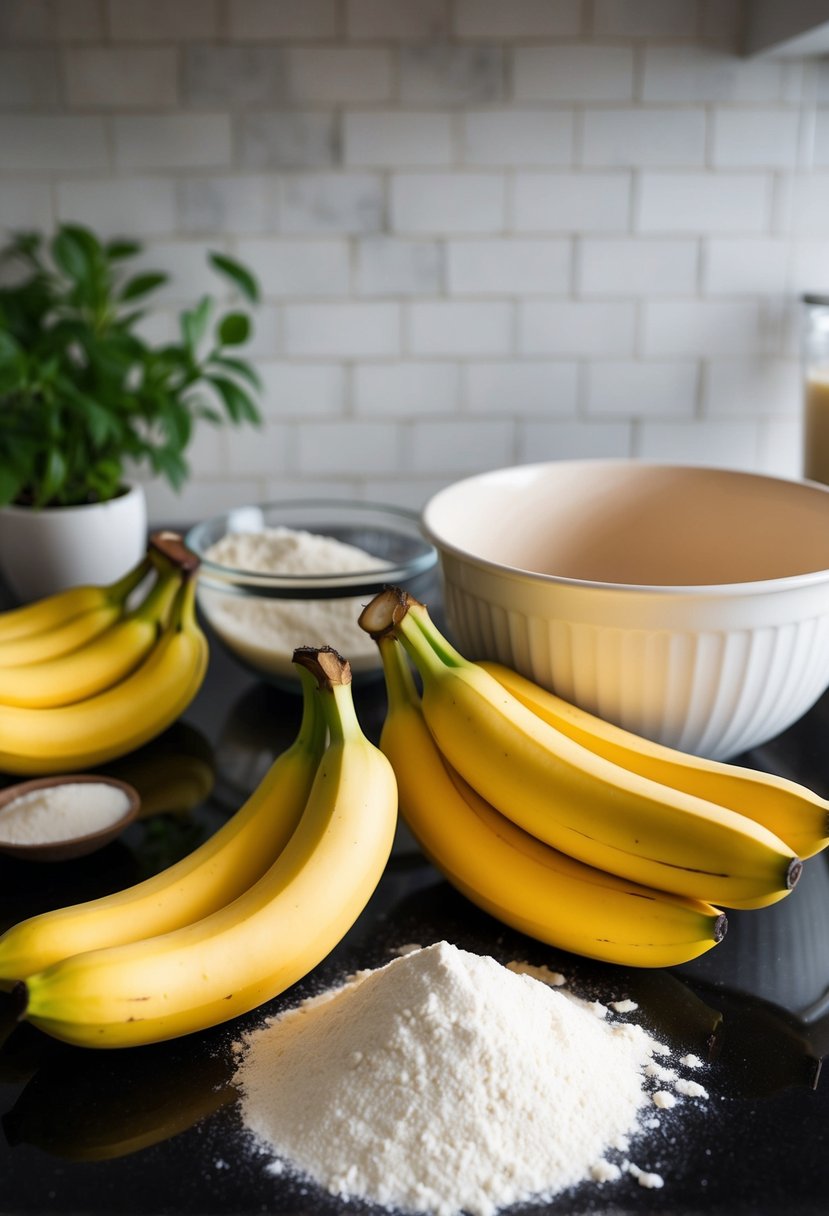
[(687, 604), (262, 617)]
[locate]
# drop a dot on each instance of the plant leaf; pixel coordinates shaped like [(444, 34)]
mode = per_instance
[(239, 405), (239, 275), (240, 368), (194, 323), (142, 284), (74, 250), (11, 483), (234, 329), (117, 251), (54, 476)]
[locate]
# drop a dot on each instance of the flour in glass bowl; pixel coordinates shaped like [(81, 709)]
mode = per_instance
[(265, 632)]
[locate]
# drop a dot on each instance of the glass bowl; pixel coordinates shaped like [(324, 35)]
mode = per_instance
[(261, 617)]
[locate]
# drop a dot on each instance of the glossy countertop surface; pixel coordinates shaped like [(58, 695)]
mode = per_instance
[(157, 1129)]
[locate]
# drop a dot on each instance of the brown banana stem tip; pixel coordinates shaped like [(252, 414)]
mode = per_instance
[(793, 872), (325, 664), (720, 927), (170, 545), (382, 614)]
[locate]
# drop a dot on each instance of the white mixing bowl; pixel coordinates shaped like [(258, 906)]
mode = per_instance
[(687, 604)]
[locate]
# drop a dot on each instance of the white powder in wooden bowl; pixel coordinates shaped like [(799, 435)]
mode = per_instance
[(61, 812), (446, 1083), (265, 632)]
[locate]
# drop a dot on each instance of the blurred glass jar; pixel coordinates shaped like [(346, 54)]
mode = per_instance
[(816, 388)]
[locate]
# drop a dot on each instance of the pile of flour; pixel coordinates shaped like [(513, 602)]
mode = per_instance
[(445, 1082), (267, 632)]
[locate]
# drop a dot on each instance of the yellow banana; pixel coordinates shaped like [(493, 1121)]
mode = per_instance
[(221, 869), (515, 877), (64, 639), (40, 741), (262, 942), (88, 670), (794, 813), (54, 610), (572, 799)]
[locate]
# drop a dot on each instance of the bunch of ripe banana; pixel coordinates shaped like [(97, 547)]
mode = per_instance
[(244, 916), (567, 828), (86, 676)]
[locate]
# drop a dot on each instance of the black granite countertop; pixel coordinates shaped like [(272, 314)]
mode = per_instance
[(156, 1129)]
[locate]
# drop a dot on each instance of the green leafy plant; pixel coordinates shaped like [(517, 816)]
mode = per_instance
[(83, 396)]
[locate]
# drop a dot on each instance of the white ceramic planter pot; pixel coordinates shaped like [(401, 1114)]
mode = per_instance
[(45, 551)]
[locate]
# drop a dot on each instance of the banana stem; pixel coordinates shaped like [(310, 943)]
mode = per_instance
[(119, 590), (156, 605), (400, 686), (168, 549), (183, 614), (311, 733), (333, 677)]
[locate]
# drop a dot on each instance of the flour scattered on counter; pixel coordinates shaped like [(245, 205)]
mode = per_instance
[(445, 1082), (624, 1006), (691, 1061), (691, 1089)]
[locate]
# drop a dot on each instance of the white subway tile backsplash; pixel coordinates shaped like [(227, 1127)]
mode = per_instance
[(732, 445), (54, 141), (652, 136), (357, 447), (457, 448), (233, 76), (241, 204), (510, 266), (451, 327), (171, 141), (447, 202), (80, 20), (29, 79), (266, 20), (756, 138), (120, 77), (390, 266), (287, 139), (160, 20), (756, 387), (347, 75), (485, 231), (342, 330), (520, 389), (704, 202), (287, 268), (134, 206), (519, 19), (573, 328), (396, 19), (637, 266), (697, 327), (331, 202), (745, 267), (406, 389), (444, 74), (708, 74), (573, 73), (644, 19), (297, 390), (563, 440), (634, 388), (199, 498), (517, 137), (572, 202), (24, 205), (392, 138)]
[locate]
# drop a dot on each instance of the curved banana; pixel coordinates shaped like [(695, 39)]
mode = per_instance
[(41, 741), (214, 874), (88, 670), (262, 942), (515, 877), (794, 813), (64, 639), (54, 610), (572, 799)]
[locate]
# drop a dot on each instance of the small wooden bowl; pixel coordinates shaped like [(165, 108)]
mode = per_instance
[(73, 846)]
